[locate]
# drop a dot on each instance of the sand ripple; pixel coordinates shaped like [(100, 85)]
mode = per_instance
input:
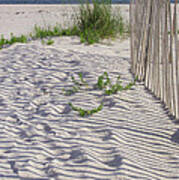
[(41, 138)]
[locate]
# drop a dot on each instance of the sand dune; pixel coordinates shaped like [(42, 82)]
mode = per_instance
[(41, 138)]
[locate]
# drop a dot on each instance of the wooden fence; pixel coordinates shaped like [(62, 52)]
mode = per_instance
[(155, 59)]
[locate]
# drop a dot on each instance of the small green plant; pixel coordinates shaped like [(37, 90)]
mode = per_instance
[(50, 42), (43, 41), (100, 83), (129, 86), (2, 41), (83, 112), (114, 89), (42, 32), (13, 39), (82, 79), (109, 88), (69, 92), (103, 81), (77, 85), (118, 87), (75, 81)]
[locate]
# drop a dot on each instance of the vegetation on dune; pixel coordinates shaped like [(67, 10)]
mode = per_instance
[(77, 85), (13, 39), (94, 22), (48, 42), (83, 112), (103, 83)]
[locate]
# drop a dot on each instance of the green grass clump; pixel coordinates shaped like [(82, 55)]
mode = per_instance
[(103, 81), (113, 89), (41, 33), (69, 92), (48, 42), (105, 84), (96, 21), (83, 112), (82, 79), (77, 85), (13, 39), (2, 41)]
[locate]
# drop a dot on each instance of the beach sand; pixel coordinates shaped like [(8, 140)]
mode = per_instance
[(41, 138)]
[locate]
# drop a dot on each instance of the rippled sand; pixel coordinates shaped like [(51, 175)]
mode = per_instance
[(41, 138)]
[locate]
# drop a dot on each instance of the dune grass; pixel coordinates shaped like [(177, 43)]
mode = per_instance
[(41, 33), (94, 22), (13, 39)]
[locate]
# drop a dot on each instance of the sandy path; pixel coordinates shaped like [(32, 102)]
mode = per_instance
[(41, 138)]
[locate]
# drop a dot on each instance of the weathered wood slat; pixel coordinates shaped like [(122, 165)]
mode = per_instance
[(154, 49)]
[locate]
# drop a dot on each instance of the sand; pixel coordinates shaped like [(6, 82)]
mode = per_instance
[(43, 139)]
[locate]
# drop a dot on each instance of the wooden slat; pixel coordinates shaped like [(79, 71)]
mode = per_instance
[(155, 51)]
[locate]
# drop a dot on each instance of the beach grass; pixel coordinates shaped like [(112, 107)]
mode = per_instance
[(94, 22), (13, 39)]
